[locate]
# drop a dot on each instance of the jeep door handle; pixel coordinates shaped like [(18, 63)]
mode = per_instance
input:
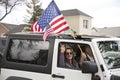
[(57, 76)]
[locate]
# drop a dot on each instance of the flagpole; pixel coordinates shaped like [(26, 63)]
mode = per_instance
[(73, 35), (83, 56)]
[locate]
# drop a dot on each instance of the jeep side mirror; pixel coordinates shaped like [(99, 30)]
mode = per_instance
[(89, 67)]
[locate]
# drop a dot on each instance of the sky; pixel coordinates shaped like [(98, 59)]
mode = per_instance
[(105, 13)]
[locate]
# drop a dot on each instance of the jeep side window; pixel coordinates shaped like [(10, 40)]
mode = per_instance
[(71, 51), (110, 51), (28, 51)]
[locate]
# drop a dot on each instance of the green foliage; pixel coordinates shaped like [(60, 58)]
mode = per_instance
[(35, 11), (36, 14)]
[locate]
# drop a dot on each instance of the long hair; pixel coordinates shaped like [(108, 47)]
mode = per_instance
[(73, 59)]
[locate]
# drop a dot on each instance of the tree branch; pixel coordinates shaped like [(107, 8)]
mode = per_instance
[(11, 8)]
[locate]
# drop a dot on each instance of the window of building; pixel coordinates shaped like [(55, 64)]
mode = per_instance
[(85, 24), (28, 51)]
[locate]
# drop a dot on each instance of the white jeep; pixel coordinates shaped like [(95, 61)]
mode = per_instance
[(28, 57)]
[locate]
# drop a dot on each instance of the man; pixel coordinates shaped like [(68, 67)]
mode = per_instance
[(89, 54)]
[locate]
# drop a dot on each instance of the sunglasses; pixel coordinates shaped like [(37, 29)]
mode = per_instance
[(68, 53)]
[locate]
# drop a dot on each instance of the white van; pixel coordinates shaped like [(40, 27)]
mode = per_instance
[(28, 57)]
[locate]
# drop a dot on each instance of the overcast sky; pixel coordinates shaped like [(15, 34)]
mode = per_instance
[(105, 13)]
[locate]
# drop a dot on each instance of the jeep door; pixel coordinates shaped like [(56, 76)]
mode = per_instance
[(108, 55), (63, 73)]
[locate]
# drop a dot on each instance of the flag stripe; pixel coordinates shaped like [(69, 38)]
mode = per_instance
[(35, 27), (59, 17), (66, 28), (61, 28), (57, 20), (58, 24), (46, 33)]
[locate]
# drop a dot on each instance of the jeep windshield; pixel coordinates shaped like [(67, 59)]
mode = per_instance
[(110, 51)]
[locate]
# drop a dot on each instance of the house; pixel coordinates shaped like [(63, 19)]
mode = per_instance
[(6, 28), (78, 21), (3, 29), (82, 24), (107, 31)]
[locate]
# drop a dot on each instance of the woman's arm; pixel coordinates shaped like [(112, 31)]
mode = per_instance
[(61, 56)]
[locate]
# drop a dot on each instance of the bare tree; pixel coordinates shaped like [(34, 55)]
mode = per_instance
[(8, 6)]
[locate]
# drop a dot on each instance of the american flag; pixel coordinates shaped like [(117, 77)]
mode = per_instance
[(53, 17)]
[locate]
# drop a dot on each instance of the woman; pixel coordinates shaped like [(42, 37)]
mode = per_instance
[(66, 58)]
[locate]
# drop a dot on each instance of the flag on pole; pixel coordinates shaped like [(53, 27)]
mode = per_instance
[(54, 18)]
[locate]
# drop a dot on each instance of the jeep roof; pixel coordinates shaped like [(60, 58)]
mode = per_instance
[(59, 36)]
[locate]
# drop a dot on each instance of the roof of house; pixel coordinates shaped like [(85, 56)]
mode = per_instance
[(73, 12), (19, 28), (12, 28), (9, 26), (108, 31), (1, 25)]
